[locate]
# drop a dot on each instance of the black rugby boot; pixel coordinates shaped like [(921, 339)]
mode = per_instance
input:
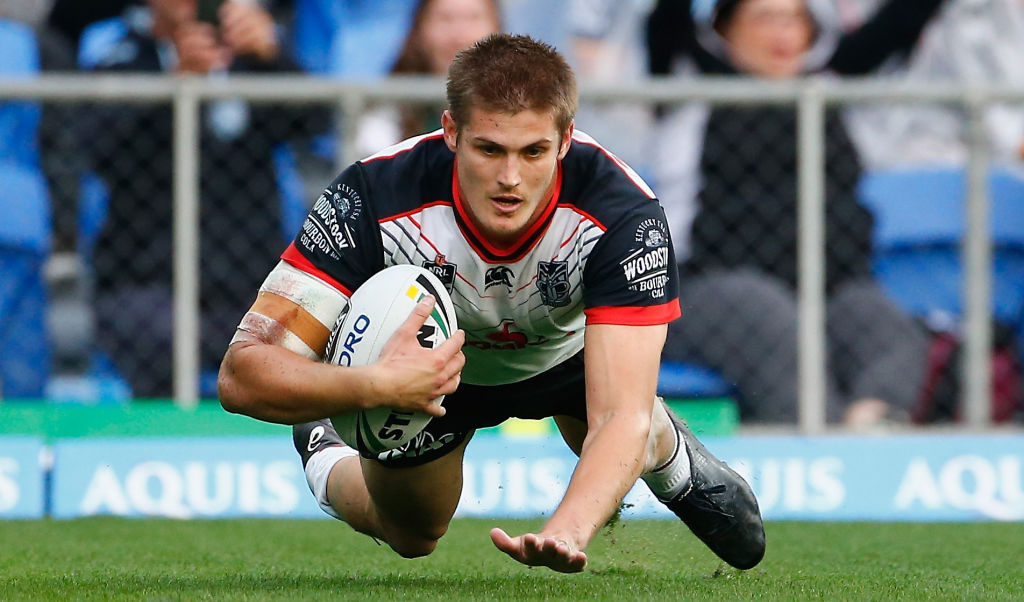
[(718, 505)]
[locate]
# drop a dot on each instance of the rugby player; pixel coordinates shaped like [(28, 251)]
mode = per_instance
[(560, 266)]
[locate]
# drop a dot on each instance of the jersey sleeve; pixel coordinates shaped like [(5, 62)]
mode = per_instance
[(339, 241), (631, 276)]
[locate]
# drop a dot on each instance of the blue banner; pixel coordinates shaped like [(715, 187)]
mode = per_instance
[(21, 478), (188, 477), (897, 478), (883, 478)]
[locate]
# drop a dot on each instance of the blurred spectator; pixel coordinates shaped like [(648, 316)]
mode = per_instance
[(740, 311), (970, 42), (58, 155), (440, 29), (70, 17), (238, 191), (350, 39), (607, 46), (31, 177)]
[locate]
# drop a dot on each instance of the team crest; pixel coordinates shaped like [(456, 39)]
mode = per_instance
[(444, 271), (498, 276), (553, 283)]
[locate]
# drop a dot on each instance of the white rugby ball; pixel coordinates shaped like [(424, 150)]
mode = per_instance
[(375, 311)]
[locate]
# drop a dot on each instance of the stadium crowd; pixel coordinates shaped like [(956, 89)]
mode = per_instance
[(87, 294)]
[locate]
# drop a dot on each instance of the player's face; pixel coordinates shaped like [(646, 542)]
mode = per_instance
[(768, 38), (507, 168)]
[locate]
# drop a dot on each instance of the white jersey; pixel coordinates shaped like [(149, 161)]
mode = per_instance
[(600, 253)]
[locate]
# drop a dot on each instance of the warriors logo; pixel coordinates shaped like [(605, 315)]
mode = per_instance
[(553, 283), (499, 275)]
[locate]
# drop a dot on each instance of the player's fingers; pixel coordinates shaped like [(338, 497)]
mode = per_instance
[(577, 562), (533, 546), (454, 343), (434, 409), (420, 313), (450, 381), (505, 543)]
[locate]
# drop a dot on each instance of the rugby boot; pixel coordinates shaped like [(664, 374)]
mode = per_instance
[(718, 505)]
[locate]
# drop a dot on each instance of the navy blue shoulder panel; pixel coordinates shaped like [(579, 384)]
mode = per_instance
[(409, 175)]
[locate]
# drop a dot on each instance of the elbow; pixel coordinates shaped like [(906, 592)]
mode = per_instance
[(231, 391), (228, 394)]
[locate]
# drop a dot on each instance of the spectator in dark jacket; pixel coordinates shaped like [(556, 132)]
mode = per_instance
[(740, 277), (238, 188)]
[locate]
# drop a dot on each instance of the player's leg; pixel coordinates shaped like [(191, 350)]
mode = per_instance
[(712, 499), (408, 507)]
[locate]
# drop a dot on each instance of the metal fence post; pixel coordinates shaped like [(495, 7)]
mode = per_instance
[(977, 261), (186, 244), (811, 249)]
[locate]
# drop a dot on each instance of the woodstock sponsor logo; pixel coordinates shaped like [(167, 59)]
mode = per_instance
[(655, 259)]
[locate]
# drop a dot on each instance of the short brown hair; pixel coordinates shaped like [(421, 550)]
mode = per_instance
[(512, 73)]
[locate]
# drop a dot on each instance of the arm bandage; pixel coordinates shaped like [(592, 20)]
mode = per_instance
[(321, 300)]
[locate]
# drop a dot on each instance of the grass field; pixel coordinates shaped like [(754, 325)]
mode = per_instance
[(112, 559)]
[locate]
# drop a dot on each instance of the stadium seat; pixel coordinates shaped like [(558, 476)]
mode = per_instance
[(682, 380), (919, 229)]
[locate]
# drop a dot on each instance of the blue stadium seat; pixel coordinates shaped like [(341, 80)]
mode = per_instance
[(919, 229), (682, 380)]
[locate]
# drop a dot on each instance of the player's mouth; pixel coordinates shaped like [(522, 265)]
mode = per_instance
[(506, 203)]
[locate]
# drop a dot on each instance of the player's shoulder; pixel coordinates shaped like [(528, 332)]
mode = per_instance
[(410, 173), (420, 157), (597, 181)]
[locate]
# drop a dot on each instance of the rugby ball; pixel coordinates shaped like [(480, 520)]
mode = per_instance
[(375, 311)]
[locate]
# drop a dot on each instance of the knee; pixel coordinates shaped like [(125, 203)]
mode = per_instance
[(418, 543)]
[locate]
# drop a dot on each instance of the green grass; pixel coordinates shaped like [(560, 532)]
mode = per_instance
[(116, 559)]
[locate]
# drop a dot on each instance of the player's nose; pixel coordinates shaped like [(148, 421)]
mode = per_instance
[(509, 176)]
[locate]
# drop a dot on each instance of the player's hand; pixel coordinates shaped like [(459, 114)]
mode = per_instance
[(409, 376), (532, 549), (248, 29), (199, 50)]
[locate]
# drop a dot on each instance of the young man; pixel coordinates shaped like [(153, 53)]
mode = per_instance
[(561, 271)]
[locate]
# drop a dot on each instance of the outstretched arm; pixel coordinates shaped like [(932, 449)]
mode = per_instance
[(622, 374), (895, 27), (265, 374)]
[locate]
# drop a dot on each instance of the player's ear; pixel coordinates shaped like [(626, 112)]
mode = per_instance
[(451, 130), (566, 140)]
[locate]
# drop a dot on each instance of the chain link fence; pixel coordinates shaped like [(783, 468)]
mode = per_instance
[(808, 290)]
